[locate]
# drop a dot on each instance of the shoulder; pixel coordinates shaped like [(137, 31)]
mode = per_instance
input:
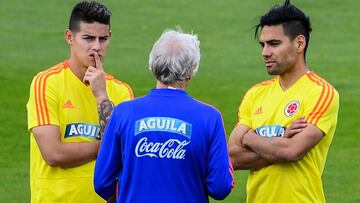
[(129, 105), (261, 86), (205, 108), (49, 75), (118, 85), (320, 86)]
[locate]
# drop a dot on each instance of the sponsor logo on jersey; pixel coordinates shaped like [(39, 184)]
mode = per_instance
[(292, 108), (68, 104), (259, 111), (164, 124), (271, 131), (170, 149), (82, 129)]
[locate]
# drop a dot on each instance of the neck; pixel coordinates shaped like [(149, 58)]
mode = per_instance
[(179, 85), (77, 68), (289, 78)]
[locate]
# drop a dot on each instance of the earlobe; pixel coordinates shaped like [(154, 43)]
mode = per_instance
[(68, 36), (301, 42)]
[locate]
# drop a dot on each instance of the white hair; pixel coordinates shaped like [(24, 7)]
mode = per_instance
[(175, 57)]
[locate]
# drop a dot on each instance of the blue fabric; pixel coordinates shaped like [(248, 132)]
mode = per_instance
[(164, 147)]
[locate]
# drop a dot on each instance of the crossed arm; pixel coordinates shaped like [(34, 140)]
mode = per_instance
[(241, 156), (248, 150)]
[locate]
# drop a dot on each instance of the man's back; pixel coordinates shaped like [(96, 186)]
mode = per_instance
[(173, 149)]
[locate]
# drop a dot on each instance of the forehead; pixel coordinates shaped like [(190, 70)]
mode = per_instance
[(93, 29), (272, 32)]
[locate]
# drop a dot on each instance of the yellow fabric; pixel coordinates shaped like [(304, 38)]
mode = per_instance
[(58, 97), (265, 104)]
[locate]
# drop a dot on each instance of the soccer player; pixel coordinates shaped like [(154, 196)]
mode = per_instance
[(63, 111), (285, 166), (165, 146)]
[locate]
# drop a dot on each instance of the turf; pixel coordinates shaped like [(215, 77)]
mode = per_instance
[(32, 40)]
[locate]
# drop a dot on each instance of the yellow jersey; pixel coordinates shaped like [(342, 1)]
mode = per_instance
[(269, 110), (58, 97)]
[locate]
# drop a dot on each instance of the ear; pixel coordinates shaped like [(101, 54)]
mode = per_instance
[(69, 36), (300, 43), (110, 33)]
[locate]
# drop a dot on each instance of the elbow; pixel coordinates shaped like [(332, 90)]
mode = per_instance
[(235, 159), (53, 160), (101, 188), (220, 188), (238, 164), (289, 155), (221, 194), (295, 156)]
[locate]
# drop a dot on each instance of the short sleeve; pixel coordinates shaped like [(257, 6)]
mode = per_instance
[(42, 106), (244, 111), (322, 108)]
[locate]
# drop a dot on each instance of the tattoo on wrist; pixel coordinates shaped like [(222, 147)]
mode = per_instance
[(104, 109)]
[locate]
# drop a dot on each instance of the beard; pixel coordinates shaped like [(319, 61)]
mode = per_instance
[(274, 70)]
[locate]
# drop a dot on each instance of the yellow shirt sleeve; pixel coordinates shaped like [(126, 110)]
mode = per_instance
[(43, 101), (323, 106), (244, 113)]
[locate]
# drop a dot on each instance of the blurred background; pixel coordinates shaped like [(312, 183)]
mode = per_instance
[(31, 36)]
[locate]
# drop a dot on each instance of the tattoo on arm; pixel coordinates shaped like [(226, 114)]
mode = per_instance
[(104, 109)]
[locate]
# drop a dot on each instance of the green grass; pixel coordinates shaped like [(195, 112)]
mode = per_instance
[(31, 34)]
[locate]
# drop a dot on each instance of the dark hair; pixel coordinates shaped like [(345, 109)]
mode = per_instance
[(293, 20), (88, 12)]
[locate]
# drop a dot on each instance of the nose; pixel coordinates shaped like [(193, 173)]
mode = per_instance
[(266, 52), (96, 45)]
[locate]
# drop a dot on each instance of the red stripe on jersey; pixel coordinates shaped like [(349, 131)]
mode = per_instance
[(324, 100), (264, 83), (39, 105), (231, 170), (40, 85), (329, 101), (316, 80), (36, 102), (109, 77)]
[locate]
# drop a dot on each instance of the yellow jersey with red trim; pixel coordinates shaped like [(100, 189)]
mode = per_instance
[(269, 110), (58, 97)]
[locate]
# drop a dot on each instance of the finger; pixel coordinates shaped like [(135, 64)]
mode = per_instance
[(300, 120), (86, 81), (291, 132), (299, 125), (90, 69), (98, 64)]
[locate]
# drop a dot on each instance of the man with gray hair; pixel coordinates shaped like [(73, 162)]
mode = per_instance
[(166, 146)]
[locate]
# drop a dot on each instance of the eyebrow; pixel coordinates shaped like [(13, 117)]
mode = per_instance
[(101, 36), (273, 41)]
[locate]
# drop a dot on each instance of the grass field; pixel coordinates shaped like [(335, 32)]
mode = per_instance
[(31, 34)]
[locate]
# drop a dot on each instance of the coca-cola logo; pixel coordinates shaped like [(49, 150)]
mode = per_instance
[(171, 149)]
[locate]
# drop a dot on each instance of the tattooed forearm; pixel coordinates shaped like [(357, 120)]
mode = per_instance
[(104, 110)]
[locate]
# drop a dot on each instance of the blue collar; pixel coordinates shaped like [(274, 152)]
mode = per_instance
[(167, 92)]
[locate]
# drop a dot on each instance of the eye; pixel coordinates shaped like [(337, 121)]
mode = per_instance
[(105, 38), (88, 38), (274, 43)]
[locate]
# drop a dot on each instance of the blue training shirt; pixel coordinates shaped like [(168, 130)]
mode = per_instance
[(164, 147)]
